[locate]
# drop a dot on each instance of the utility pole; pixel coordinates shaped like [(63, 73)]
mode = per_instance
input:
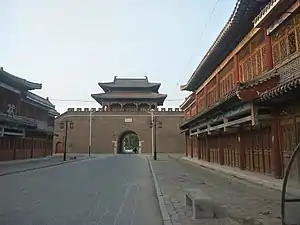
[(154, 137), (66, 138), (90, 131), (65, 125), (153, 134)]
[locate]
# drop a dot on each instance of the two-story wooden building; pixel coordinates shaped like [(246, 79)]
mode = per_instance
[(26, 119), (244, 109)]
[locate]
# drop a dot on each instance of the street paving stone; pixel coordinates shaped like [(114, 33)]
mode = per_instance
[(110, 190), (30, 164), (245, 202)]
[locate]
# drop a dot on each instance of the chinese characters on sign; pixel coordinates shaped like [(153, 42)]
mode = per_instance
[(11, 109)]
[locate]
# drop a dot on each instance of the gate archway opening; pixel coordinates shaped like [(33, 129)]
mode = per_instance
[(127, 141)]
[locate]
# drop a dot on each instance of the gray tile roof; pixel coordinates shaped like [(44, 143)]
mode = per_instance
[(19, 120), (129, 95), (129, 83), (12, 79), (236, 28), (38, 99)]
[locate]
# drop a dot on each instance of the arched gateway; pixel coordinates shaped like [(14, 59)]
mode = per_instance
[(127, 141), (125, 109)]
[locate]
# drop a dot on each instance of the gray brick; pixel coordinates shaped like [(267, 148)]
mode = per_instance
[(244, 201)]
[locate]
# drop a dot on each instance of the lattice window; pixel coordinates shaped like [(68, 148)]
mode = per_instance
[(249, 69), (253, 65), (245, 69), (286, 40), (226, 84), (276, 54), (264, 59), (298, 36), (211, 96), (297, 18), (283, 49), (259, 63), (292, 43), (278, 33)]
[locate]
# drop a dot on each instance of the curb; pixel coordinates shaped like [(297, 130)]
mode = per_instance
[(245, 177), (11, 162), (159, 194), (40, 167)]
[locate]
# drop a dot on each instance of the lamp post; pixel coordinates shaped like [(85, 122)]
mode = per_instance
[(90, 130), (153, 133), (65, 125)]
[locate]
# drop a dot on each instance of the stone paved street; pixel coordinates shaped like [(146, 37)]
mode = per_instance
[(104, 190), (8, 167), (246, 203)]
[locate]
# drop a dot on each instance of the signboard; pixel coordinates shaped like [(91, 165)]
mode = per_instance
[(128, 120), (11, 109)]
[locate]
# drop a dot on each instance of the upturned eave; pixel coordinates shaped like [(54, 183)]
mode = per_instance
[(19, 82), (236, 28)]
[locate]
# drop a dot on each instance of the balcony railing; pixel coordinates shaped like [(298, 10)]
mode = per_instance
[(264, 13)]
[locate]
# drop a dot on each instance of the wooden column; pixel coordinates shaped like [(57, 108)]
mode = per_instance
[(236, 70), (192, 144), (186, 144), (14, 147), (199, 145), (221, 149), (275, 155), (241, 149), (268, 47), (196, 102), (205, 96), (218, 85), (207, 148)]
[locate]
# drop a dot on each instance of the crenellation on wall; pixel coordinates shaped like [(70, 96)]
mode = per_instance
[(107, 125), (164, 110)]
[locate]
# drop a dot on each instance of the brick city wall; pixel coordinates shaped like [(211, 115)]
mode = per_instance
[(107, 126)]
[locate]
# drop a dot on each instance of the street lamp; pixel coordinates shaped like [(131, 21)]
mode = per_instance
[(153, 133), (66, 124), (90, 129)]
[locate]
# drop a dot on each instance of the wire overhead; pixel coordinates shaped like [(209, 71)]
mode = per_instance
[(201, 34)]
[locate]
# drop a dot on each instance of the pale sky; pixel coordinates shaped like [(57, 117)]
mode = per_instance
[(71, 45)]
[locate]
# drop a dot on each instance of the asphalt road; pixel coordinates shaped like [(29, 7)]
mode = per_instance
[(109, 190)]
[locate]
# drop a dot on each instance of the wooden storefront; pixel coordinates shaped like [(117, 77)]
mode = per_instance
[(247, 114), (24, 148)]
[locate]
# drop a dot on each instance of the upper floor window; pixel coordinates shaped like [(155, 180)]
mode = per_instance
[(252, 58), (286, 40), (226, 78), (201, 100), (226, 83), (212, 94)]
